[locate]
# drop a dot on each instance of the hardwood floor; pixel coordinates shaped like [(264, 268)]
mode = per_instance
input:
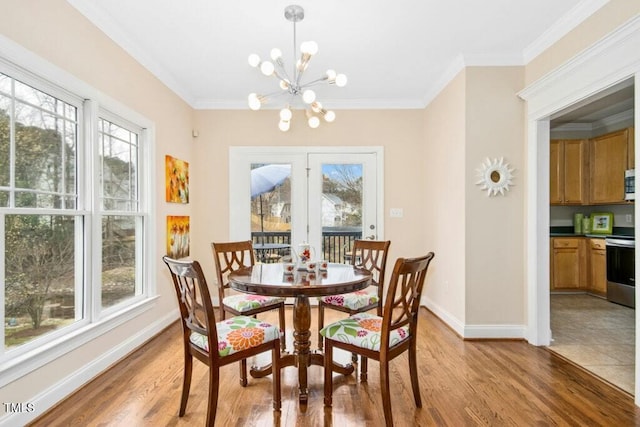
[(462, 383)]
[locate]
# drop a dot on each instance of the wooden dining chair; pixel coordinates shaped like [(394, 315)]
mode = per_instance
[(385, 337), (368, 254), (229, 257), (217, 344)]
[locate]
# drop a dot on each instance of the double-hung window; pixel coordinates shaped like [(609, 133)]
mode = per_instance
[(73, 223)]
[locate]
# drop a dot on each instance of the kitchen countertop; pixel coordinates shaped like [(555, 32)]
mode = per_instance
[(567, 231)]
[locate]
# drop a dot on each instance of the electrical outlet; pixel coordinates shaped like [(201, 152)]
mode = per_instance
[(628, 218), (396, 213)]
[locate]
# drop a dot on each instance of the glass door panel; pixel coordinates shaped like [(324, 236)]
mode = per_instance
[(268, 200), (281, 197), (271, 210), (342, 203)]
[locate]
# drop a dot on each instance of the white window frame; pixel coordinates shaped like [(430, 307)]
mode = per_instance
[(16, 62)]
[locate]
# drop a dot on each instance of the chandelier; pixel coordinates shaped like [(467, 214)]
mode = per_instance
[(291, 85)]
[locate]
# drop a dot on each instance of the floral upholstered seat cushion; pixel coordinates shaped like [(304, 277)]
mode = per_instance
[(353, 301), (238, 333), (244, 303), (362, 330)]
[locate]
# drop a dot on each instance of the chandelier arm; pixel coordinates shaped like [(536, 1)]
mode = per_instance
[(275, 94), (301, 72), (278, 76), (291, 88), (314, 82), (284, 76), (281, 66)]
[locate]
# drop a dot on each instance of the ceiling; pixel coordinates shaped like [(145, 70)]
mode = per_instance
[(614, 102), (395, 54)]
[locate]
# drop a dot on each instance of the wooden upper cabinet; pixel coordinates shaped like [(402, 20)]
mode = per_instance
[(575, 171), (556, 172), (568, 172), (631, 150), (609, 158)]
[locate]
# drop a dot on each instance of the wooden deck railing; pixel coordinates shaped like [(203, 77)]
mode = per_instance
[(336, 242)]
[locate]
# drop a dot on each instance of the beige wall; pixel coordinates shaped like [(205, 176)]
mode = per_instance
[(400, 132), (495, 281), (478, 278), (56, 32), (444, 206), (598, 25)]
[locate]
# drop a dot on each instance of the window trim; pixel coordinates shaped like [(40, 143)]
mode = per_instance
[(17, 62)]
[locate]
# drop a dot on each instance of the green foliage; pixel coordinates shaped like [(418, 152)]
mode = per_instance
[(39, 252), (39, 249)]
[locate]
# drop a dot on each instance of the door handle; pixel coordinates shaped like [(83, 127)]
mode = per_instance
[(372, 237)]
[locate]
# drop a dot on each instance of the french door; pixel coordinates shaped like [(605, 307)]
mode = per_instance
[(327, 197)]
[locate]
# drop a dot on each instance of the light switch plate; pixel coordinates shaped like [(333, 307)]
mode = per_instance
[(396, 213)]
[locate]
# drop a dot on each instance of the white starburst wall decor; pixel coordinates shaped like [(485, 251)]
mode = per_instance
[(495, 176)]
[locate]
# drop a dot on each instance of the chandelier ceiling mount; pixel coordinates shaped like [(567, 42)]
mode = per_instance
[(291, 85)]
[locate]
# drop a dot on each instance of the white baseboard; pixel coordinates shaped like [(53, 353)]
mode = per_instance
[(475, 331), (45, 400), (445, 316), (494, 332)]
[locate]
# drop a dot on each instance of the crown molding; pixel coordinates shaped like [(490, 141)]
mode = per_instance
[(449, 74), (333, 104), (607, 122), (573, 127), (121, 38), (562, 27), (613, 120), (572, 81)]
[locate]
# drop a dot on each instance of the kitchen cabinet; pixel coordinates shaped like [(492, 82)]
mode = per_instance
[(631, 156), (608, 159), (568, 263), (569, 172), (597, 267)]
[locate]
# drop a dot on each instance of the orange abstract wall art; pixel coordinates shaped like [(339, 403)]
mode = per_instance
[(177, 180), (178, 236)]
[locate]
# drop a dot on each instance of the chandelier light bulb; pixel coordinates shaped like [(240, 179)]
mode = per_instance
[(292, 85), (267, 68), (254, 102), (308, 96), (286, 114), (254, 60), (276, 54), (329, 116), (309, 48), (314, 122), (284, 125)]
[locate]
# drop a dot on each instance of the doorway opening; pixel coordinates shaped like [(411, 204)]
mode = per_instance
[(587, 326)]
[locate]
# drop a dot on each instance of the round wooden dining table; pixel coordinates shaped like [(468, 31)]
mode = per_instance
[(271, 280)]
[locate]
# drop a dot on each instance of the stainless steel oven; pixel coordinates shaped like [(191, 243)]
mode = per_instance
[(621, 274)]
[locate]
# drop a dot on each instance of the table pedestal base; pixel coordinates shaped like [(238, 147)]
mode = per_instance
[(302, 357)]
